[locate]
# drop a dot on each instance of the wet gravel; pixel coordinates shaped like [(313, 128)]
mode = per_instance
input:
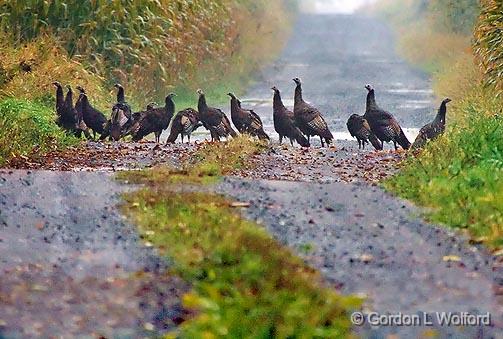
[(71, 264), (366, 242)]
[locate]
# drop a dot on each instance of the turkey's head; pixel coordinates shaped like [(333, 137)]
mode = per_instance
[(117, 85), (232, 95), (296, 80), (369, 87), (151, 106), (81, 89), (275, 89), (57, 84), (200, 91), (446, 100)]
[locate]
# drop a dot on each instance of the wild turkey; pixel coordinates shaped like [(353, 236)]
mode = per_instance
[(382, 123), (434, 129), (214, 119), (154, 120), (308, 118), (80, 125), (284, 122), (120, 93), (93, 118), (359, 128), (121, 119), (184, 123), (246, 121), (66, 117)]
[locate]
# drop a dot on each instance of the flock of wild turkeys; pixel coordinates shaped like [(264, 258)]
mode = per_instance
[(375, 126)]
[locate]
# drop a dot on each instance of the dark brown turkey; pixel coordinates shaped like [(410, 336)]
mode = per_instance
[(93, 118), (154, 120), (66, 115), (214, 119), (434, 129), (246, 121), (184, 123), (80, 126), (359, 128), (121, 119), (284, 121), (382, 123), (308, 118)]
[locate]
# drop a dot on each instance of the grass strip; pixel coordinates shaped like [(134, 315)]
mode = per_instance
[(245, 284)]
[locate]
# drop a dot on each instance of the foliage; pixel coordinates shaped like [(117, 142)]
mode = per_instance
[(153, 45), (456, 16), (28, 128), (459, 176), (244, 283), (489, 43), (28, 72)]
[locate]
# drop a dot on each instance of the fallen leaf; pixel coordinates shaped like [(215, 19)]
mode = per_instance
[(239, 204), (449, 258)]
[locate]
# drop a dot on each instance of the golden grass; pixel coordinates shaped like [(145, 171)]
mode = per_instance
[(28, 72)]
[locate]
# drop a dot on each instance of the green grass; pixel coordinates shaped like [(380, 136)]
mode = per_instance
[(244, 283), (459, 176), (28, 129)]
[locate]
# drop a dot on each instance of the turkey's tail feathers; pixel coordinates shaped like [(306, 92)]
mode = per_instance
[(300, 138), (375, 142), (402, 140)]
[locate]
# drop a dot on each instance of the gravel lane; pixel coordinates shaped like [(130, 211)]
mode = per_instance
[(368, 242), (71, 265)]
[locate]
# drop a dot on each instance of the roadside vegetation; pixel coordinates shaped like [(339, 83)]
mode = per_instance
[(457, 177), (151, 47), (245, 284), (28, 130)]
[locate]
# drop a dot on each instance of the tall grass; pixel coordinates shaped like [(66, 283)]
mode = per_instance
[(155, 45), (489, 43)]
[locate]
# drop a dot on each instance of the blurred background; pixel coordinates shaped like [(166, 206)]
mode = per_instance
[(333, 6)]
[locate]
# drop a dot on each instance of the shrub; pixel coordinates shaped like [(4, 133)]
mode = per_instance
[(28, 128)]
